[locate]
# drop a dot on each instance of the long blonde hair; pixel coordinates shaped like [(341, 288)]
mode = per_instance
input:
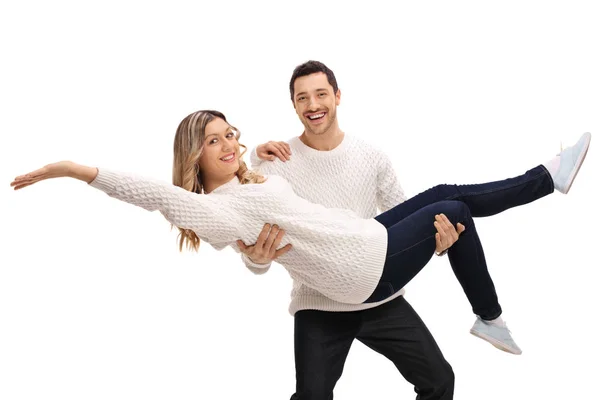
[(187, 149)]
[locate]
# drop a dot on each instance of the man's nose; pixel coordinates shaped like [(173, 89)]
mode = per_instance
[(313, 104)]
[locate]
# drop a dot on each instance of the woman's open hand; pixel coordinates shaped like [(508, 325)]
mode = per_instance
[(56, 170)]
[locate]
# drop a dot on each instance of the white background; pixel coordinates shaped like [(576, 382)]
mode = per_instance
[(96, 302)]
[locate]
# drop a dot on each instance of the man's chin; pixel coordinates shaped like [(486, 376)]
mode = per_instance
[(320, 130)]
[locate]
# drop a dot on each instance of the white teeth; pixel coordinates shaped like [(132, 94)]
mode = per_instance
[(316, 116), (227, 158)]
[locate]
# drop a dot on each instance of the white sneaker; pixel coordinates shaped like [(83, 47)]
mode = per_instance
[(571, 159), (496, 334)]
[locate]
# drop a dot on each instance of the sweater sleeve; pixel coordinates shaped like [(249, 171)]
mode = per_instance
[(255, 162), (207, 216), (265, 168), (389, 191), (257, 269), (261, 167)]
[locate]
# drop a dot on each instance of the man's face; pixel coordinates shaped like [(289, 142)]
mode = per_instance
[(315, 102)]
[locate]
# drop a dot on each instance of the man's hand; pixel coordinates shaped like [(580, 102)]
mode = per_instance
[(265, 249), (447, 235), (270, 150)]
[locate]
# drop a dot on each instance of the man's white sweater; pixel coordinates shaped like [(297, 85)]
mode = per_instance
[(354, 176)]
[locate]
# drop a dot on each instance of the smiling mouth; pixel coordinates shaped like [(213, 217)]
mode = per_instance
[(316, 117), (228, 158)]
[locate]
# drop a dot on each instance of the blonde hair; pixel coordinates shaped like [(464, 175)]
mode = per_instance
[(187, 149)]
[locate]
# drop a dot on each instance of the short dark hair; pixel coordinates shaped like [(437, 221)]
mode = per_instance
[(311, 67)]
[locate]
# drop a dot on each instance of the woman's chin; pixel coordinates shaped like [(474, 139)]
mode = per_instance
[(232, 169)]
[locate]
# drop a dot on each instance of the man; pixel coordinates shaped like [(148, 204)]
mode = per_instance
[(326, 166)]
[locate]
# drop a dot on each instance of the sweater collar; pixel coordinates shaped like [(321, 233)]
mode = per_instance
[(300, 147), (227, 187)]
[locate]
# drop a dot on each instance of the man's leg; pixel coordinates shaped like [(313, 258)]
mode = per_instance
[(396, 331), (322, 341)]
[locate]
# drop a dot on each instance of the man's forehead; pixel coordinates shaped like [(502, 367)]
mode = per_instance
[(314, 81)]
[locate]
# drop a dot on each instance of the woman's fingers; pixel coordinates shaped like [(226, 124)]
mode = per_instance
[(22, 178), (283, 150), (23, 185), (38, 173), (19, 181), (276, 151)]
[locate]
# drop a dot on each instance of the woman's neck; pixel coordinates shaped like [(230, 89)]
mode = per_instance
[(210, 184)]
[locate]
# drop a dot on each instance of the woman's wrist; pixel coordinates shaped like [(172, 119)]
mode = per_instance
[(82, 172)]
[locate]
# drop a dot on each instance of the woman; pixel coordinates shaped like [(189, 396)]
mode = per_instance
[(347, 258)]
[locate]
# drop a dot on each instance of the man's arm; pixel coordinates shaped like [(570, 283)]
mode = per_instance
[(389, 191), (258, 257), (257, 269)]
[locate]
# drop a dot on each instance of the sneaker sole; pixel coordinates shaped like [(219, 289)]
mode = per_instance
[(498, 344), (578, 165)]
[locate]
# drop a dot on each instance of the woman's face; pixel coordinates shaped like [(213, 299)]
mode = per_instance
[(220, 157)]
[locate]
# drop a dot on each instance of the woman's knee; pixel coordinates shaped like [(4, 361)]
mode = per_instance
[(457, 211)]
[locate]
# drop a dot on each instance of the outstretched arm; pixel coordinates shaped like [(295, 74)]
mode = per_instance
[(62, 169), (203, 214)]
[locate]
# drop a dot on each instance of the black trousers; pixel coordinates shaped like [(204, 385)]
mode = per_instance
[(322, 341)]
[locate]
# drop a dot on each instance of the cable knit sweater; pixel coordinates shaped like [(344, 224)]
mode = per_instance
[(353, 176), (334, 252)]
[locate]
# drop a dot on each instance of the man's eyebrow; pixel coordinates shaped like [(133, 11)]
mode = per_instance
[(316, 90)]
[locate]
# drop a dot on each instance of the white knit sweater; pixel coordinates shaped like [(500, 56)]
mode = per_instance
[(354, 176), (334, 252)]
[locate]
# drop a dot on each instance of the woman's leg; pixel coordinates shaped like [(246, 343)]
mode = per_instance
[(411, 244), (491, 198), (411, 235), (482, 199)]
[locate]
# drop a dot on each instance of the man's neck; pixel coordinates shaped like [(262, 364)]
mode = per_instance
[(325, 142)]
